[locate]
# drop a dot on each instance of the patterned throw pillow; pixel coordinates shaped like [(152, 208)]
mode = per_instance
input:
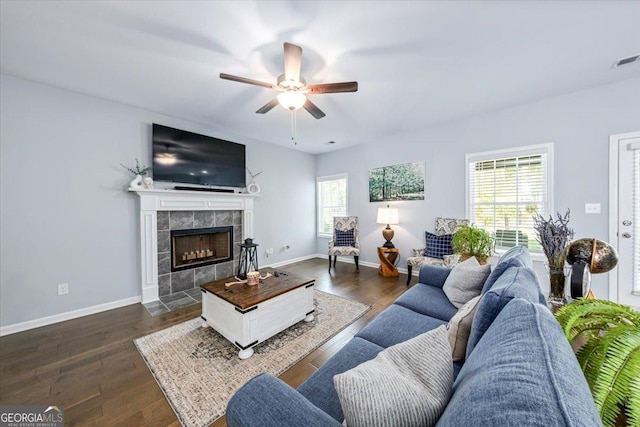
[(345, 238), (437, 246)]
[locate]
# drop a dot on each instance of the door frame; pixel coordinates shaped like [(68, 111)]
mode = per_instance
[(614, 145)]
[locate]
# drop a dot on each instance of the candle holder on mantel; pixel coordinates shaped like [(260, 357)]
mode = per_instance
[(248, 258)]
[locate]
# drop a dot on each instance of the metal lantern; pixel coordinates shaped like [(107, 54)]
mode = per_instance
[(248, 258)]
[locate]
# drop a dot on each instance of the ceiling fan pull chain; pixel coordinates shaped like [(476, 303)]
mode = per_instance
[(293, 127)]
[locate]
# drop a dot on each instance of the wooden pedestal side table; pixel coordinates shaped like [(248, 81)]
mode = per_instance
[(388, 258)]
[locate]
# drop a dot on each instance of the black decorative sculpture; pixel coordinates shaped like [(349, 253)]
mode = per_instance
[(588, 256), (248, 258)]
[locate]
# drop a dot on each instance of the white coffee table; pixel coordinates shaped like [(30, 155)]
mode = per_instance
[(248, 315)]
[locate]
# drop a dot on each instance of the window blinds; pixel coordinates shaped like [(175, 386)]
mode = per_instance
[(505, 194), (332, 201)]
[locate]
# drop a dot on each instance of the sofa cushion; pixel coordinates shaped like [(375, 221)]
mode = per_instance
[(319, 388), (433, 275), (465, 281), (457, 366), (429, 300), (266, 401), (515, 282), (460, 327), (397, 324), (437, 246), (523, 372), (407, 384), (517, 256)]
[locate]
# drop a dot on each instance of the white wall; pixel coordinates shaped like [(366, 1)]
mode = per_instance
[(578, 124), (65, 214)]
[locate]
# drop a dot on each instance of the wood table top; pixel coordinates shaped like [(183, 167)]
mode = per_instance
[(244, 296)]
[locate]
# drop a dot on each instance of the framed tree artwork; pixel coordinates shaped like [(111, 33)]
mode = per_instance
[(397, 182)]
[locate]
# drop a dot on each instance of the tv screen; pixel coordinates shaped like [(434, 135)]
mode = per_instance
[(185, 157)]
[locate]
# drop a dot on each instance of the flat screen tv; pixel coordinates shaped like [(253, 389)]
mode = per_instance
[(189, 158)]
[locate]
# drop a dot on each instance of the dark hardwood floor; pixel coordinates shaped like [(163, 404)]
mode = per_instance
[(91, 366)]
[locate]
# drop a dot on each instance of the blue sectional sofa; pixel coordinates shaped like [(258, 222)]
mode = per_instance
[(519, 369)]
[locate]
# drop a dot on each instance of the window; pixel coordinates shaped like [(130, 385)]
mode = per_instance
[(331, 192), (506, 188)]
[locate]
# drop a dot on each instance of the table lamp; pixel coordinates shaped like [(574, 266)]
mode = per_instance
[(387, 216)]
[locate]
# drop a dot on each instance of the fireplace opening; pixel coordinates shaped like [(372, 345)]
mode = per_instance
[(200, 246)]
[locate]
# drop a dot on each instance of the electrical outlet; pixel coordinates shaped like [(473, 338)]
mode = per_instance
[(266, 253), (270, 251), (63, 289), (592, 208)]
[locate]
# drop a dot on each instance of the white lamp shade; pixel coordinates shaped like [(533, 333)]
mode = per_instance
[(291, 100), (387, 216)]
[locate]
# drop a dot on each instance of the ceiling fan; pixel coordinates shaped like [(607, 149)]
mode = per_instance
[(293, 87)]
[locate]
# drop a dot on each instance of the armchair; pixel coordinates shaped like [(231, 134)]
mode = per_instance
[(444, 226), (345, 239)]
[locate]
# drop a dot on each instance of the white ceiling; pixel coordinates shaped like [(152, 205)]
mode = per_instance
[(417, 63)]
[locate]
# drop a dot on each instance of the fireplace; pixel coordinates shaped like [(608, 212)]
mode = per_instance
[(165, 210), (200, 246)]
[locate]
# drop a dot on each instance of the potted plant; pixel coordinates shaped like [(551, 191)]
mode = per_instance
[(138, 172), (609, 335), (469, 240), (554, 235)]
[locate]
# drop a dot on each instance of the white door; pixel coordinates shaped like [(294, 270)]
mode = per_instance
[(624, 281)]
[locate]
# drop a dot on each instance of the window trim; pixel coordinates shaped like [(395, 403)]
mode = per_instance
[(334, 177), (544, 148)]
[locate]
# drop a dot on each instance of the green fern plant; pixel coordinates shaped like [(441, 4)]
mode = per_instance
[(609, 356), (469, 240)]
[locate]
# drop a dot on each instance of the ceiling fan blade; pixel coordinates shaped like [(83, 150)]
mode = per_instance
[(313, 109), (268, 106), (245, 80), (292, 62), (333, 88)]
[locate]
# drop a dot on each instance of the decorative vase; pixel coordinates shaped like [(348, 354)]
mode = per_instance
[(253, 278), (557, 280), (253, 187), (136, 182), (148, 182), (482, 259)]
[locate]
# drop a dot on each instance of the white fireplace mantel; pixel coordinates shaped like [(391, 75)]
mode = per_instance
[(154, 200)]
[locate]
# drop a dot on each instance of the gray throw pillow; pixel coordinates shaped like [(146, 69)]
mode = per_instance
[(407, 384), (460, 328), (465, 281)]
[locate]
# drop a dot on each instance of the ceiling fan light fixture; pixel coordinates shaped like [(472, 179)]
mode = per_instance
[(292, 100), (166, 159), (292, 87)]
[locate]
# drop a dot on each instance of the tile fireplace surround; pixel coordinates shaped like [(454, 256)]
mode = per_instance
[(157, 201)]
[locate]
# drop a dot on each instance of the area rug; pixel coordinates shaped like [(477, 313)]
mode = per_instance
[(199, 370)]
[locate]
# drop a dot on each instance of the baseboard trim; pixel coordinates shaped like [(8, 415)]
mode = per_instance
[(350, 260), (69, 315), (291, 261)]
